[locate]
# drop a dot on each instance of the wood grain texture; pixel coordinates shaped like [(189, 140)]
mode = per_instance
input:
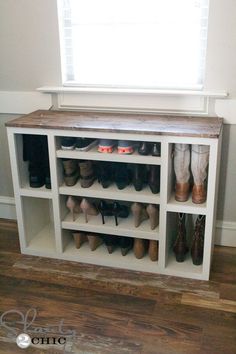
[(119, 312), (204, 127)]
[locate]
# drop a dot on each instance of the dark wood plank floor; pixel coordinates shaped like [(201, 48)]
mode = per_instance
[(118, 311)]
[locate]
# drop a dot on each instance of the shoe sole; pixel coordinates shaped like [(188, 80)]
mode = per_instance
[(88, 147)]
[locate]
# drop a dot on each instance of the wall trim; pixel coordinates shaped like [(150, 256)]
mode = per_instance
[(7, 208), (225, 230), (225, 233), (23, 102)]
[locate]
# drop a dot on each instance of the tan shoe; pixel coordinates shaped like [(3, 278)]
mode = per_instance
[(88, 209), (181, 192), (199, 194), (73, 204), (80, 238), (139, 213), (94, 241), (139, 247), (153, 213), (153, 250)]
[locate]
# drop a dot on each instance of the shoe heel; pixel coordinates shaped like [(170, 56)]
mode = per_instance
[(153, 250), (79, 238), (116, 219), (103, 218), (86, 217), (180, 258), (94, 242), (139, 248)]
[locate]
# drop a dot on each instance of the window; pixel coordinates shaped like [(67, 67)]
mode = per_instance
[(133, 43)]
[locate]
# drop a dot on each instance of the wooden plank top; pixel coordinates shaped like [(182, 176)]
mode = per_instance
[(204, 127)]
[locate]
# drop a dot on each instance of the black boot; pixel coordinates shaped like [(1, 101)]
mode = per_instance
[(180, 247)]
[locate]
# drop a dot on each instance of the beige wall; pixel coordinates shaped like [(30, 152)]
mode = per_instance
[(30, 58)]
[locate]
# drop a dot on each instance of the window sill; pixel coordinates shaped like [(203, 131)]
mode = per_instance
[(148, 101), (131, 91)]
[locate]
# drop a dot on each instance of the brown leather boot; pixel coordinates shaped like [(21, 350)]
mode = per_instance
[(180, 247), (181, 192), (153, 250), (199, 194), (198, 240), (139, 247)]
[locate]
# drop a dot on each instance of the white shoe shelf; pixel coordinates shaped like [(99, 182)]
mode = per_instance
[(45, 224)]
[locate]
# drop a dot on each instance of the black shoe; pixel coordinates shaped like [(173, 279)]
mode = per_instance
[(105, 174), (156, 149), (154, 178), (105, 209), (122, 175), (85, 144), (68, 143), (119, 211), (126, 244), (139, 176), (144, 148), (111, 242)]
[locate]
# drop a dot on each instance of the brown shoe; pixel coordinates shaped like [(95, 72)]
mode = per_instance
[(199, 194), (94, 241), (80, 238), (153, 213), (86, 173), (198, 240), (180, 247), (181, 192), (71, 172), (139, 247), (153, 250)]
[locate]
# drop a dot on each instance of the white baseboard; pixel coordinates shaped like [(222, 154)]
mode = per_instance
[(225, 233), (225, 230), (7, 208)]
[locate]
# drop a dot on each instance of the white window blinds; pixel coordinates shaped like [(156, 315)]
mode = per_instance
[(133, 43)]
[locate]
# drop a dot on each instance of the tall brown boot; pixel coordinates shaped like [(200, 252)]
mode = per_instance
[(198, 240), (180, 247)]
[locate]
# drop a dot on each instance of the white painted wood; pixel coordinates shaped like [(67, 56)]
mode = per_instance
[(43, 235), (125, 226), (187, 207), (23, 102), (210, 215), (41, 192), (112, 192), (55, 193), (94, 155), (104, 89)]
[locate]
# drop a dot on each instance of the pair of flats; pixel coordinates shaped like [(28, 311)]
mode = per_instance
[(80, 144), (123, 146)]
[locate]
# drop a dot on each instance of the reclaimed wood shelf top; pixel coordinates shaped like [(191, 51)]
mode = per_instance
[(205, 127)]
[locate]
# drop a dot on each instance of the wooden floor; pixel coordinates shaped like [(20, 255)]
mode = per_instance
[(115, 311)]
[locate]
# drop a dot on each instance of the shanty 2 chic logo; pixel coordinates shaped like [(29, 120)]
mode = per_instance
[(26, 333)]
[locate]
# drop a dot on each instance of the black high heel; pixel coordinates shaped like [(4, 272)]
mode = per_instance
[(121, 211), (105, 209), (126, 244)]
